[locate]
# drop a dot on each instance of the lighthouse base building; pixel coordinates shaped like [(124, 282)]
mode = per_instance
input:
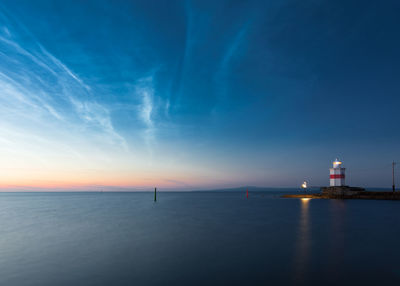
[(337, 184)]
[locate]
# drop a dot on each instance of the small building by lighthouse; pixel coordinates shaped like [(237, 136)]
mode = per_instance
[(337, 174)]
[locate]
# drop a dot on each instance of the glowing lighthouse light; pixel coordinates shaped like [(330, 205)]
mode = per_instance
[(337, 175), (337, 163), (304, 185)]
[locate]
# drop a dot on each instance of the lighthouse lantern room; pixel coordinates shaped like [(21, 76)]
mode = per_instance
[(337, 174)]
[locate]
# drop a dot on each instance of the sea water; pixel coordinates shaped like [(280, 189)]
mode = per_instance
[(196, 238)]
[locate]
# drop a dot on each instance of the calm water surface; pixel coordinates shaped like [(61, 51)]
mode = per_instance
[(196, 239)]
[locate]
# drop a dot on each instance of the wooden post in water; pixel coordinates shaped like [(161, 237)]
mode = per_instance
[(393, 186), (155, 194)]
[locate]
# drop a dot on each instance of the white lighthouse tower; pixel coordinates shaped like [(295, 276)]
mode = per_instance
[(337, 174)]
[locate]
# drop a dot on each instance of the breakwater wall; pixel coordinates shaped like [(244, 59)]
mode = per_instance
[(365, 195)]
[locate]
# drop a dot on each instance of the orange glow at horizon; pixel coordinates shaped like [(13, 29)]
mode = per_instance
[(98, 179), (87, 182)]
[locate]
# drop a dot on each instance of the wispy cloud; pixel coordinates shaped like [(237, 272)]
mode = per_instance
[(6, 31), (144, 89), (40, 96), (233, 48), (59, 64), (223, 71), (95, 114)]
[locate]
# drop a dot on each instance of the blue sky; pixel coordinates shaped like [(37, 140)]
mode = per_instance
[(197, 94)]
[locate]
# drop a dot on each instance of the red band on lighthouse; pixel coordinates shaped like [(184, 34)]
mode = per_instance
[(337, 176)]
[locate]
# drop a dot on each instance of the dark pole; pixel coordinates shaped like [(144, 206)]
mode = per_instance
[(393, 176), (155, 194)]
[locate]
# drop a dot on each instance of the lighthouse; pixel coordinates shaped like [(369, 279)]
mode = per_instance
[(337, 188), (337, 174)]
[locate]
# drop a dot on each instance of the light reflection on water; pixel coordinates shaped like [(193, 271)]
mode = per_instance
[(337, 210), (333, 243), (302, 248)]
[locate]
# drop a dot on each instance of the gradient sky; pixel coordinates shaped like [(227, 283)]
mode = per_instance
[(197, 94)]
